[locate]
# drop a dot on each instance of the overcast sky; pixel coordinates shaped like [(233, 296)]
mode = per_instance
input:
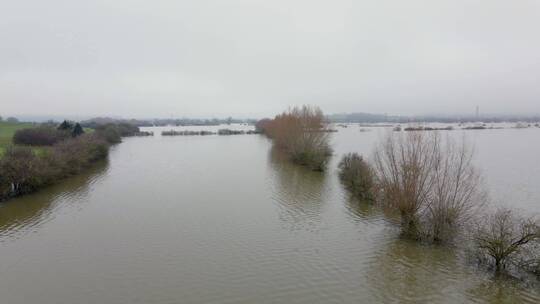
[(253, 58)]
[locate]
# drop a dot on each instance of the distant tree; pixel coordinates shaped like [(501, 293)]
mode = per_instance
[(65, 126), (77, 130), (1, 119), (12, 120)]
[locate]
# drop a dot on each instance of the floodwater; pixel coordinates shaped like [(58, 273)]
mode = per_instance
[(225, 219)]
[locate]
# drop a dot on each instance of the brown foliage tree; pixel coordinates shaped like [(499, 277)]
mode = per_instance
[(301, 133)]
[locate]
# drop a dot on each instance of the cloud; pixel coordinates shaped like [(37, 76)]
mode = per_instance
[(255, 58)]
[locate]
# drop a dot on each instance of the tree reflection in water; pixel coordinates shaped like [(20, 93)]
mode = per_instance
[(299, 192), (407, 272), (25, 213)]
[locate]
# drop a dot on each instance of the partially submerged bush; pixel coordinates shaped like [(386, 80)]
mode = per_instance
[(230, 132), (39, 136), (503, 238), (262, 125), (300, 132), (357, 176), (22, 171), (113, 132), (110, 133), (186, 133), (432, 184), (72, 156)]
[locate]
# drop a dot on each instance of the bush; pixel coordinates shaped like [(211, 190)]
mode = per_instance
[(22, 172), (357, 176), (502, 238), (262, 125), (113, 132), (126, 129), (301, 133), (40, 136), (109, 133), (432, 184), (72, 156)]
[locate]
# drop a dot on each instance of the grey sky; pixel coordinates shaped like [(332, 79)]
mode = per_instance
[(163, 58)]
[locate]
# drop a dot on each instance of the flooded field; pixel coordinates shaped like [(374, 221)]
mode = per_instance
[(225, 219)]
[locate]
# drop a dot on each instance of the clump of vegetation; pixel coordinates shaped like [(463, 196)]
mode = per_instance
[(66, 125), (77, 130), (357, 176), (23, 171), (504, 239), (110, 133), (39, 136), (64, 150), (72, 156), (421, 128), (430, 183), (186, 133), (262, 125), (300, 133), (230, 132)]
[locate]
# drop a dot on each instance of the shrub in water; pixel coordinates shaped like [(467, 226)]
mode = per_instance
[(356, 176), (301, 133), (503, 237), (432, 184)]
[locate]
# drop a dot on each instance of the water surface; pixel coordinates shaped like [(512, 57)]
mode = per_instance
[(225, 219)]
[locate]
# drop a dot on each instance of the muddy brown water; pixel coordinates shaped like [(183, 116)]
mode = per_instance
[(225, 219)]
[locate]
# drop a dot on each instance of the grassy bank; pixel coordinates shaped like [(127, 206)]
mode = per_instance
[(7, 130)]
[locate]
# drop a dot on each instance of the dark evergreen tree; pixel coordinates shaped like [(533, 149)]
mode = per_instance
[(77, 130), (65, 126)]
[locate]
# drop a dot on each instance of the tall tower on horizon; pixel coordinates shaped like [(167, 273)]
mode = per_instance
[(477, 113)]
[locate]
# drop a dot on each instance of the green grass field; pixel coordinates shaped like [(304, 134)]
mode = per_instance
[(7, 130)]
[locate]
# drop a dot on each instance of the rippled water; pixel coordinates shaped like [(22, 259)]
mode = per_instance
[(225, 219)]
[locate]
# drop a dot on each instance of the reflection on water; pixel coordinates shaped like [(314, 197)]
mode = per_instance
[(22, 214), (300, 192), (361, 210), (228, 220), (407, 272)]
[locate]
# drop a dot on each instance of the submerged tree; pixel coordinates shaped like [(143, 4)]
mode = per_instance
[(301, 133), (431, 183), (357, 176), (503, 236)]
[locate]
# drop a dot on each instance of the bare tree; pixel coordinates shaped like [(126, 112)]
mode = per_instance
[(503, 236), (430, 182)]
